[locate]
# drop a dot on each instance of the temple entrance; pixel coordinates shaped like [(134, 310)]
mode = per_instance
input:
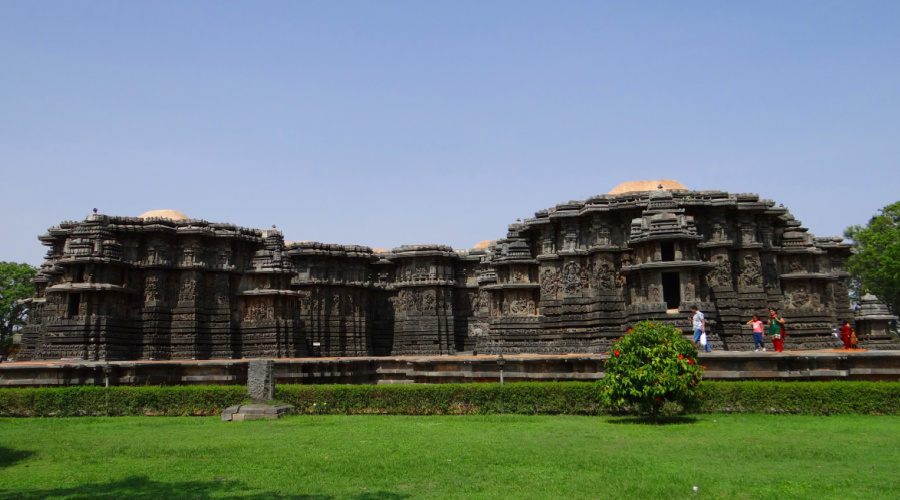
[(671, 283)]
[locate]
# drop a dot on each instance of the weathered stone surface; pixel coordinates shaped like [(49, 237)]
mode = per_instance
[(261, 380), (241, 413), (569, 280)]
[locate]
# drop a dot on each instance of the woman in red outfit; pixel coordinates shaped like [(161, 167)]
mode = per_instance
[(845, 335)]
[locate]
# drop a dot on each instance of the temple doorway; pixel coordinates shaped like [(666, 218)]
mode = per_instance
[(671, 283)]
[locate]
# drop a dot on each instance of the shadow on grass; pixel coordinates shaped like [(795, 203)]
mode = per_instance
[(673, 420), (142, 488), (9, 457)]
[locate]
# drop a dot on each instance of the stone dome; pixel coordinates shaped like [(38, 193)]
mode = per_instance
[(163, 214), (628, 187), (482, 244)]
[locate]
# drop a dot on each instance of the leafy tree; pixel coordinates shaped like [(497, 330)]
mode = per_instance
[(875, 263), (15, 284), (650, 365)]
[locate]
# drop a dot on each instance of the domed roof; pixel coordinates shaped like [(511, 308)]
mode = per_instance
[(163, 214), (380, 250), (482, 244), (628, 187)]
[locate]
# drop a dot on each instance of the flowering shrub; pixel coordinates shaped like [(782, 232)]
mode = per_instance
[(651, 365)]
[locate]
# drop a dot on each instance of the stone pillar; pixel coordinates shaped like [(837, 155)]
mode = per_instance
[(261, 380)]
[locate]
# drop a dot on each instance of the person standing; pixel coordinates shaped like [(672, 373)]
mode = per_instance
[(776, 329), (757, 325), (699, 322), (845, 334)]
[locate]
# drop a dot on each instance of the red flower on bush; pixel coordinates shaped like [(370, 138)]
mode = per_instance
[(704, 367), (616, 353), (656, 399), (629, 330), (680, 356), (691, 361)]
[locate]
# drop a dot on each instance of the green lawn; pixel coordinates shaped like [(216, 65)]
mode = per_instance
[(394, 457)]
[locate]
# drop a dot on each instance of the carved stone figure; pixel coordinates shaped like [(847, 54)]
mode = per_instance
[(549, 282), (571, 278), (689, 292), (429, 300), (188, 289), (799, 297), (151, 289), (751, 273), (484, 299), (720, 276), (605, 276)]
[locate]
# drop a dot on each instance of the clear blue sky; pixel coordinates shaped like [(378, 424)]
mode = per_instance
[(389, 123)]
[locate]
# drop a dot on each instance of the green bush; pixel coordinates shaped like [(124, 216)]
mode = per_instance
[(527, 398), (651, 366)]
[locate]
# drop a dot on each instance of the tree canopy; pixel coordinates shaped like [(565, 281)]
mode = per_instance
[(875, 263), (15, 284)]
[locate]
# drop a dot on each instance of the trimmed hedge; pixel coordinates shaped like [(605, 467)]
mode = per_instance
[(80, 401), (527, 398)]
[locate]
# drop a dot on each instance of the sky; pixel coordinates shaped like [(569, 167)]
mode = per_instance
[(390, 123)]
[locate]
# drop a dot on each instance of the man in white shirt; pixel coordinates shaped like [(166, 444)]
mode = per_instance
[(699, 322)]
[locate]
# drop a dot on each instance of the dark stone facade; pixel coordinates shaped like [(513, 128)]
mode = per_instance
[(570, 280)]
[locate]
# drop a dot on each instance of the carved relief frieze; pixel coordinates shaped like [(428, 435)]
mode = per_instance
[(550, 282), (689, 292), (841, 295), (750, 273), (151, 289), (571, 278), (484, 303), (720, 276), (429, 300), (257, 310), (335, 303), (798, 297), (188, 289), (770, 276), (304, 297), (605, 276)]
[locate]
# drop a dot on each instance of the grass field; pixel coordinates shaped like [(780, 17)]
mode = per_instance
[(396, 457)]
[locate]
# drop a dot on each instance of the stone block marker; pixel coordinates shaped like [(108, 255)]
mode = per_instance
[(261, 388), (261, 380)]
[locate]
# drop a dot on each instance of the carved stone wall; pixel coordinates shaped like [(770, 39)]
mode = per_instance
[(571, 279)]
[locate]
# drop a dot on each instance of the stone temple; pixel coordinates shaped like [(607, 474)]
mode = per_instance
[(569, 280)]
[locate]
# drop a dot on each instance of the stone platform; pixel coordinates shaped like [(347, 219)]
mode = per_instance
[(721, 365), (240, 413)]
